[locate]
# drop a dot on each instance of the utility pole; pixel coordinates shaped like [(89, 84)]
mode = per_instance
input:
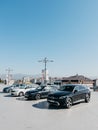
[(45, 61), (8, 75)]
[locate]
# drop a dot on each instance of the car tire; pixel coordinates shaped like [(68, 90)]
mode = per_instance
[(68, 102), (21, 94), (37, 97), (87, 98)]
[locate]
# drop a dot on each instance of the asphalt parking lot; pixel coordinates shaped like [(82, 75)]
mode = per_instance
[(19, 114)]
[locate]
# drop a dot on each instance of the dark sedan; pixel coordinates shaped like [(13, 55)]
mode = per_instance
[(39, 92), (69, 94), (9, 88)]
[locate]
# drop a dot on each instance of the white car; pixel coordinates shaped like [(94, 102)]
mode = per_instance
[(23, 89)]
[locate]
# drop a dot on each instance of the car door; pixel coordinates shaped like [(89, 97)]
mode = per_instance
[(82, 92), (27, 88), (45, 92), (76, 94)]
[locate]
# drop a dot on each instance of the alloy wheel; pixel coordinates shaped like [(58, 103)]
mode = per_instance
[(68, 102), (87, 98), (37, 97)]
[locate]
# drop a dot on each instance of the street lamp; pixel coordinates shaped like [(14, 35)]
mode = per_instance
[(45, 61)]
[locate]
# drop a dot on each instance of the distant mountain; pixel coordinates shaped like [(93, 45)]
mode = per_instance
[(14, 76), (18, 76)]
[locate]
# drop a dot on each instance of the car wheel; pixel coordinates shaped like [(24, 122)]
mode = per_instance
[(37, 97), (87, 98), (21, 94), (68, 102)]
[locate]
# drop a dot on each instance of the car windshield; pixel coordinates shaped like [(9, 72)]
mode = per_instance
[(40, 87), (22, 87), (67, 88)]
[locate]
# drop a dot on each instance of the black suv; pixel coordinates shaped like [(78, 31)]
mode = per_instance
[(69, 94)]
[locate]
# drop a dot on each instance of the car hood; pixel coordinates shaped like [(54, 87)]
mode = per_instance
[(60, 93), (15, 89), (32, 91), (7, 87)]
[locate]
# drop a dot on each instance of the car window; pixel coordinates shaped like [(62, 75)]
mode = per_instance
[(40, 87), (67, 88), (17, 85), (22, 87), (76, 88), (81, 88), (47, 88), (26, 87)]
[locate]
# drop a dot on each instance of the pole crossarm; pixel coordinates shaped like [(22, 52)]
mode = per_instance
[(45, 60)]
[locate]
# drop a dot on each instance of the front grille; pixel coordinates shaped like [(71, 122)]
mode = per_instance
[(13, 91), (53, 98)]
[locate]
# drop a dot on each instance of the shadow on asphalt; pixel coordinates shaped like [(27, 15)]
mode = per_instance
[(45, 105), (22, 99), (9, 95)]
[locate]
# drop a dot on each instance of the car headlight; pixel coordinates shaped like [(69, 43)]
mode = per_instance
[(16, 91), (62, 97)]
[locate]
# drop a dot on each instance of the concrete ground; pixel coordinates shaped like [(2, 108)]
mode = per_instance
[(18, 114)]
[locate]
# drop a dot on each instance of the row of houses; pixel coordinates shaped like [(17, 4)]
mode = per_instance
[(76, 79)]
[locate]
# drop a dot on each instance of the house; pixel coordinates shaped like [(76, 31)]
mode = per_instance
[(76, 79)]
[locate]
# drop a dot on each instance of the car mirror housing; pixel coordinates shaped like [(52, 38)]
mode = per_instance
[(75, 91)]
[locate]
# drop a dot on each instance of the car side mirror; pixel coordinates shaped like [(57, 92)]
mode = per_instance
[(43, 89), (75, 91)]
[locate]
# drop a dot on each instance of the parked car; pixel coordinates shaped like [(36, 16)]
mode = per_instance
[(95, 88), (21, 90), (6, 89), (55, 87), (69, 94), (40, 92), (9, 88)]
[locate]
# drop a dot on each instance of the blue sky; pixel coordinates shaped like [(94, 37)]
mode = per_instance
[(65, 31)]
